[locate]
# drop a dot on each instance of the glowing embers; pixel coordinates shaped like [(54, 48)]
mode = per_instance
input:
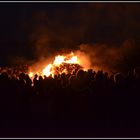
[(66, 68)]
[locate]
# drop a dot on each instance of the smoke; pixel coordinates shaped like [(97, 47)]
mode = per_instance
[(111, 58), (105, 35), (20, 60)]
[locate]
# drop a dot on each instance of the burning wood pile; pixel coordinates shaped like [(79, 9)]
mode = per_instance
[(67, 68), (68, 64)]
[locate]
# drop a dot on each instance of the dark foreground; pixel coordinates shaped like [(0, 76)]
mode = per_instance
[(85, 104)]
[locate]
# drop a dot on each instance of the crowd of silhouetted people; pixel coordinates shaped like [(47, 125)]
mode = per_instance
[(86, 101)]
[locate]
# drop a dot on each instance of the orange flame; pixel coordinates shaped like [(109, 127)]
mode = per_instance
[(31, 74), (47, 70), (59, 60)]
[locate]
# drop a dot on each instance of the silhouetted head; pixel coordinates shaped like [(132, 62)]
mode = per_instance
[(36, 76), (119, 78), (55, 76), (45, 77), (130, 73), (58, 75), (137, 72), (63, 75), (27, 76), (40, 78), (106, 75), (22, 76), (90, 71), (99, 75), (80, 74), (100, 72), (4, 76)]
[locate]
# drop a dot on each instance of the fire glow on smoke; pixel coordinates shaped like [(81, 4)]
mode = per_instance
[(68, 63)]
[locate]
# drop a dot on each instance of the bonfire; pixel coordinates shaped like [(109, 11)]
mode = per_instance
[(68, 64)]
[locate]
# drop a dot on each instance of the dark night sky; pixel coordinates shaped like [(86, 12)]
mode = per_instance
[(24, 26)]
